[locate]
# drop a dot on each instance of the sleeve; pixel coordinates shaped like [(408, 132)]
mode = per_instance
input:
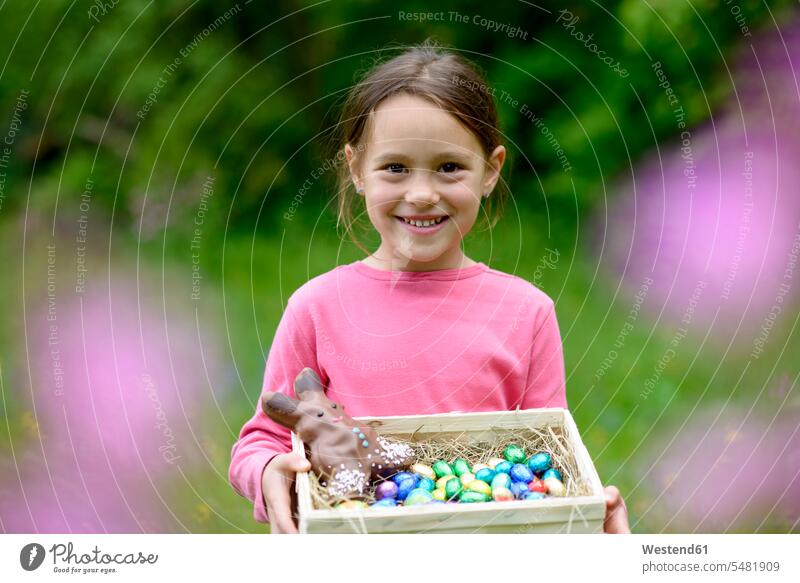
[(293, 348), (546, 383)]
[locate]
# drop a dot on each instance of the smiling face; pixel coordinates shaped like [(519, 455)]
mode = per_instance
[(422, 174)]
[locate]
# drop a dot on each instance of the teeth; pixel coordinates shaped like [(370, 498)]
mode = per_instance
[(423, 223)]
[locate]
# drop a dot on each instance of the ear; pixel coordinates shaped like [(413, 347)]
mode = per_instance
[(280, 408), (307, 385), (354, 165), (494, 164)]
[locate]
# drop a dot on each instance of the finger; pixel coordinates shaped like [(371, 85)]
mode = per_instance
[(280, 517), (616, 519)]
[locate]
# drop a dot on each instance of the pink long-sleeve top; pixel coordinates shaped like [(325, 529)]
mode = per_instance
[(407, 343)]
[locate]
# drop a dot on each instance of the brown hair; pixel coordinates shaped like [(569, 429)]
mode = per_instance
[(426, 70)]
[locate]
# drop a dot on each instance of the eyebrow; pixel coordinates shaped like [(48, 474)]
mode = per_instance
[(390, 156)]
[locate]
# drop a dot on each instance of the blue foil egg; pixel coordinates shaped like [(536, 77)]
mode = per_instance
[(533, 496), (385, 502), (503, 467), (485, 475), (404, 488), (540, 462), (521, 473), (385, 490), (552, 473), (404, 475), (426, 484), (519, 489)]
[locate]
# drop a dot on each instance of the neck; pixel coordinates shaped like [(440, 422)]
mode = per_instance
[(389, 261)]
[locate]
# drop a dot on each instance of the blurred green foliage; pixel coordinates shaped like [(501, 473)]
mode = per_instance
[(253, 99)]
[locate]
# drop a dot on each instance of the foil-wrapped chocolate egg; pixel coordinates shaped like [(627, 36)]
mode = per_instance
[(521, 473), (442, 468), (534, 496), (514, 453), (385, 503), (519, 489), (418, 496), (503, 467), (501, 494), (494, 461), (404, 488), (537, 485), (485, 474), (478, 467), (443, 480), (468, 497), (426, 484), (466, 478), (461, 466), (552, 473), (439, 494), (479, 486), (424, 471), (399, 476), (540, 462), (385, 489), (555, 487), (351, 504), (501, 481), (453, 487)]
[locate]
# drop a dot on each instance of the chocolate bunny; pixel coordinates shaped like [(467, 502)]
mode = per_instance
[(344, 453)]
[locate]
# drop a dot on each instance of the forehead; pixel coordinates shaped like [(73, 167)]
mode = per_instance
[(416, 125)]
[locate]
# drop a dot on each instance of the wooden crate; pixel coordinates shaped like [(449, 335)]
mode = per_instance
[(574, 514)]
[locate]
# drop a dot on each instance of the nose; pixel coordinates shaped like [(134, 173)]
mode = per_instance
[(422, 192)]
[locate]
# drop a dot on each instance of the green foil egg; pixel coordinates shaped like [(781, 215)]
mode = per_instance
[(418, 496), (480, 486), (453, 488), (442, 468), (514, 453), (443, 480), (461, 466), (469, 496)]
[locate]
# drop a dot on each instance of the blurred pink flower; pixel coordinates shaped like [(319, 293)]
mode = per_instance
[(717, 217), (117, 388), (744, 475)]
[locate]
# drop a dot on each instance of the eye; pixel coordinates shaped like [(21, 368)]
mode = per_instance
[(449, 167), (320, 414), (394, 168), (333, 405)]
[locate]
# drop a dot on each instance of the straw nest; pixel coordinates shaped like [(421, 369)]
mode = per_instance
[(477, 449)]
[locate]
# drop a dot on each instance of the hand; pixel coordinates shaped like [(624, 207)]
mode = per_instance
[(616, 521), (277, 482)]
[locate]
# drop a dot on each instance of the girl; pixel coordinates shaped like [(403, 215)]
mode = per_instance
[(416, 327)]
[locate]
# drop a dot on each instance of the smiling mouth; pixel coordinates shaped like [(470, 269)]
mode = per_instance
[(424, 224)]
